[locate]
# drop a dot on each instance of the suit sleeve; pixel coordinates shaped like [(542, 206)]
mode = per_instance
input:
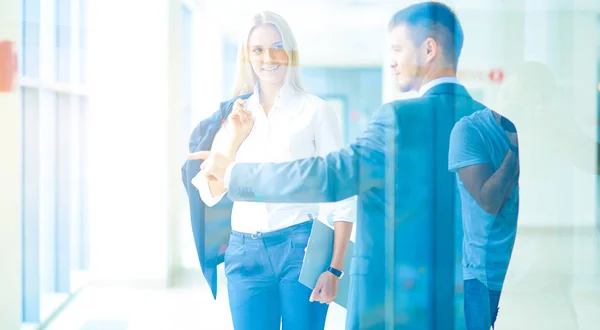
[(328, 138), (356, 168)]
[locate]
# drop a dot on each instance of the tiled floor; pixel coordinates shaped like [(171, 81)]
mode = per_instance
[(190, 306), (553, 283)]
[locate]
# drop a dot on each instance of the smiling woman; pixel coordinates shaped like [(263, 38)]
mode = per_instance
[(278, 121), (268, 46)]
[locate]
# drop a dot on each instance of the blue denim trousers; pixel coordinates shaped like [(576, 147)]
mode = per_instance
[(262, 273), (481, 305)]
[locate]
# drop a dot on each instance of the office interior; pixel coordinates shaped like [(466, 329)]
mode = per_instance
[(94, 222)]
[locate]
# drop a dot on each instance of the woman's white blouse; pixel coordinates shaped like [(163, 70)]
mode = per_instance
[(299, 125)]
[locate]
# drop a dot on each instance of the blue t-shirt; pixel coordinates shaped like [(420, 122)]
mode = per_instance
[(488, 239)]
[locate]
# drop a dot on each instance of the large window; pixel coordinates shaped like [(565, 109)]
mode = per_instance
[(54, 106)]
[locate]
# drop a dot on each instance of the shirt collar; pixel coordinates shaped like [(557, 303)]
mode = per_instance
[(286, 93), (436, 82)]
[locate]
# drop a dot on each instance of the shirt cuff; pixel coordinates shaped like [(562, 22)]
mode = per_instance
[(200, 182), (227, 177)]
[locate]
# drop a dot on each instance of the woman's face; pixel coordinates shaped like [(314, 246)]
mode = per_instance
[(267, 57)]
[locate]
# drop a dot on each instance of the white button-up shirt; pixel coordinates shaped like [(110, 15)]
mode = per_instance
[(299, 125)]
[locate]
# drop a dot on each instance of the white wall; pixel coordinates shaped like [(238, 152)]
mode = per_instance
[(584, 73), (328, 33), (564, 41), (207, 62), (10, 186), (340, 46), (130, 168)]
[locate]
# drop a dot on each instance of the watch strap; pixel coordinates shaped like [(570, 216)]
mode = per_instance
[(338, 273)]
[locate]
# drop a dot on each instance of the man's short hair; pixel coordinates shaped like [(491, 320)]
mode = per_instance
[(432, 20)]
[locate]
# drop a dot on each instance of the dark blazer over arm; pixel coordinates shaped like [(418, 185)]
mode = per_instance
[(210, 226)]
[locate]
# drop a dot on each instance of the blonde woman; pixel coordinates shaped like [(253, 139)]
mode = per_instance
[(278, 122)]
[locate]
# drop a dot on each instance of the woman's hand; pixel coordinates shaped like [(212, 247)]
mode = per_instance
[(240, 122)]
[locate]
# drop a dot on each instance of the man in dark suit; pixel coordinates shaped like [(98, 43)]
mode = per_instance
[(403, 265)]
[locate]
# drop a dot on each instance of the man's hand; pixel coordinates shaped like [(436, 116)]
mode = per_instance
[(326, 288), (215, 164), (240, 122)]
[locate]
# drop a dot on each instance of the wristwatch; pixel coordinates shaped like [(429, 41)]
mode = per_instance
[(338, 273)]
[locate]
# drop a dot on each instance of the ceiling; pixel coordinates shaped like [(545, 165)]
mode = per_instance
[(350, 24), (317, 14)]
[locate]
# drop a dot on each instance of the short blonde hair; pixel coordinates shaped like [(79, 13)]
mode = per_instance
[(245, 76)]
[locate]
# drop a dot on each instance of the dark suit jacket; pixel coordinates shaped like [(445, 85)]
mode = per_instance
[(404, 261), (211, 226)]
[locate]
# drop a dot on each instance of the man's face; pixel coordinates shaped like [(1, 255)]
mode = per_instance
[(407, 64)]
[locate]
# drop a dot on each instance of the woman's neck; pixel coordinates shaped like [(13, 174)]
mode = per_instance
[(268, 94)]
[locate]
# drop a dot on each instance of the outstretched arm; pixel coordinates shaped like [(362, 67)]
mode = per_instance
[(350, 171)]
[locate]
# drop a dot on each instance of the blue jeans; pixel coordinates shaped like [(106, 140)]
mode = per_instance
[(262, 280), (481, 305)]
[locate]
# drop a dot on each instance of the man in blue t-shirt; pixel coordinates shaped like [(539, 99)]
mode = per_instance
[(484, 154)]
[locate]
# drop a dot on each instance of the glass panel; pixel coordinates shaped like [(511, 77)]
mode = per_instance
[(31, 38), (82, 260), (63, 40), (75, 144), (48, 204), (31, 204), (67, 200), (83, 37), (48, 191)]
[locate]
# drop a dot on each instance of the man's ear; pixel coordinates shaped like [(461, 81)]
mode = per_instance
[(431, 49)]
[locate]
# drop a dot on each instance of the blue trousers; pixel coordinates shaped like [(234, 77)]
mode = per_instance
[(262, 280), (481, 305)]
